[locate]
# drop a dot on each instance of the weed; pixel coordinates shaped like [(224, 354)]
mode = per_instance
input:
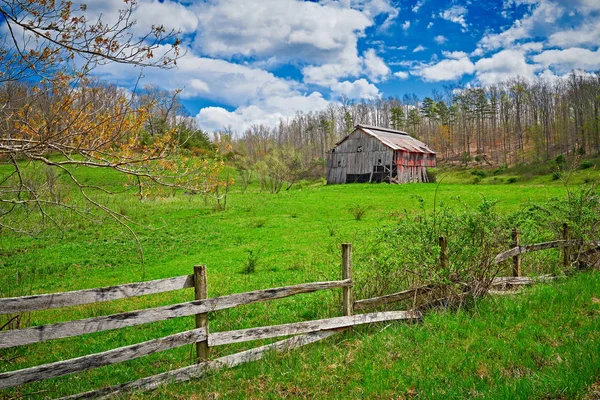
[(331, 227), (358, 212), (251, 261), (556, 175)]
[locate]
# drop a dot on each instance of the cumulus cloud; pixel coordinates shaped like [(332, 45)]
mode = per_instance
[(569, 59), (375, 67), (454, 54), (267, 112), (406, 25), (254, 95), (455, 14), (359, 89), (586, 34), (538, 23), (401, 75), (419, 48), (440, 39), (504, 65), (445, 70)]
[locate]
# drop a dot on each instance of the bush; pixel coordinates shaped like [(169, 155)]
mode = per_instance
[(407, 253), (556, 175), (560, 160), (586, 164), (512, 179), (431, 176), (478, 172)]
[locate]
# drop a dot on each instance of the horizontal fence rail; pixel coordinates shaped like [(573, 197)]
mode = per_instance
[(391, 298), (61, 368), (515, 251), (244, 335), (200, 370), (14, 305), (42, 333)]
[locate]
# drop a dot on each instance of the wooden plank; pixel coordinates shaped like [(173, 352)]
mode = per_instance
[(347, 295), (200, 370), (390, 298), (245, 335), (534, 247), (566, 249), (98, 324), (14, 305), (520, 280), (60, 368), (516, 237), (201, 293)]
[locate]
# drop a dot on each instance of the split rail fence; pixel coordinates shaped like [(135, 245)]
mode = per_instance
[(201, 307)]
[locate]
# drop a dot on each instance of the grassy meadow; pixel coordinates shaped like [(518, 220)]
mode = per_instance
[(544, 343)]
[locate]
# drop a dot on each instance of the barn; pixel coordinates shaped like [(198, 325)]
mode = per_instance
[(373, 154)]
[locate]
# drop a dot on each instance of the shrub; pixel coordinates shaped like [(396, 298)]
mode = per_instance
[(556, 175), (560, 160), (478, 172), (406, 253), (586, 164), (431, 176), (512, 179)]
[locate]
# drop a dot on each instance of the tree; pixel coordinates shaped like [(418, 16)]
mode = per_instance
[(397, 118), (54, 114)]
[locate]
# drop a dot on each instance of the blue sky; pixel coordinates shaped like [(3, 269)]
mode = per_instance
[(256, 61)]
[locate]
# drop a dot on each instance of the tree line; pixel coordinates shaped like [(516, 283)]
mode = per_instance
[(514, 121)]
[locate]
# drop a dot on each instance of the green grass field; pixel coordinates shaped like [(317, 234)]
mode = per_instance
[(542, 344)]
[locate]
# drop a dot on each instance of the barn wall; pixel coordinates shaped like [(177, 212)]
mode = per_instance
[(345, 159)]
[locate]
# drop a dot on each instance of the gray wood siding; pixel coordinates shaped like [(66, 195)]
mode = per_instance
[(346, 159)]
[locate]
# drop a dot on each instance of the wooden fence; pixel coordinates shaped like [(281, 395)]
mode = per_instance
[(201, 307), (514, 253)]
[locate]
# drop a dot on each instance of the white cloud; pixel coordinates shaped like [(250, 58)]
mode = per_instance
[(375, 67), (541, 21), (416, 7), (455, 14), (419, 48), (440, 39), (454, 54), (586, 34), (359, 89), (445, 70), (267, 112), (504, 65), (406, 25), (569, 59), (255, 95), (429, 25), (401, 75)]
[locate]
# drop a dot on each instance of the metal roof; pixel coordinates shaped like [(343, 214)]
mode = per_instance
[(396, 140)]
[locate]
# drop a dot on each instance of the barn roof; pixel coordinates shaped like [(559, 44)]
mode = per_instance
[(396, 140)]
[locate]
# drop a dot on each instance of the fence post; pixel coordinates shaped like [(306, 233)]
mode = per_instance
[(566, 249), (347, 292), (516, 237), (201, 293), (443, 252)]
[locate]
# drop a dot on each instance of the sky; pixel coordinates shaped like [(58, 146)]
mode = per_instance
[(257, 61)]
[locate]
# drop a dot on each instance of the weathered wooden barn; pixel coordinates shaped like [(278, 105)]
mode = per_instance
[(372, 154)]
